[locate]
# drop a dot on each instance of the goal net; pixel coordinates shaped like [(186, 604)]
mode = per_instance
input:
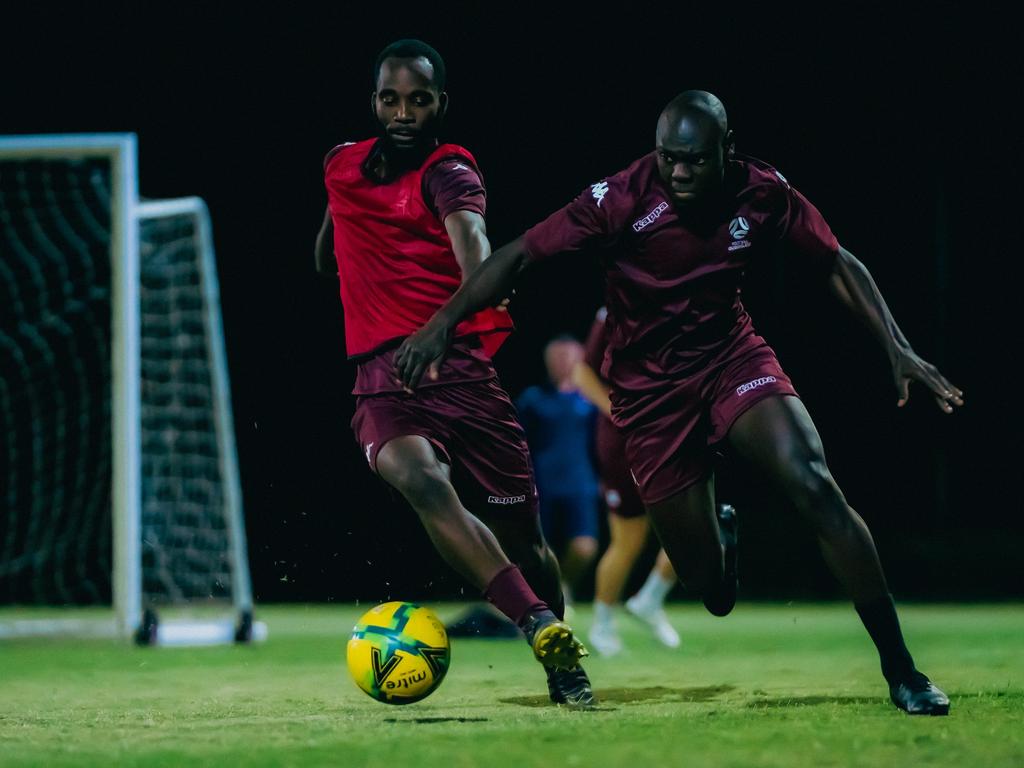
[(118, 472)]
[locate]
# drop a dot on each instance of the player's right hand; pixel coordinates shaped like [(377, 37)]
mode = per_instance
[(423, 352)]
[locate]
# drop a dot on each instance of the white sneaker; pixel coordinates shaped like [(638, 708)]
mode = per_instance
[(604, 639), (656, 619)]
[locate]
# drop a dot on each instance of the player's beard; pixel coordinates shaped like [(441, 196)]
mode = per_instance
[(411, 156)]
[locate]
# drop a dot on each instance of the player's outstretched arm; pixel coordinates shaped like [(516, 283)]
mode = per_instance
[(853, 285), (486, 286), (323, 251)]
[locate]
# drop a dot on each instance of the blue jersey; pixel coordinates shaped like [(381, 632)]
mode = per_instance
[(560, 430)]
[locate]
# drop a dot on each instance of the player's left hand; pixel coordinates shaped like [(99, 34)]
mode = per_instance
[(423, 352), (909, 367)]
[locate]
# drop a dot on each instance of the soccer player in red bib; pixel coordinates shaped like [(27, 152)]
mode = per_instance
[(677, 228), (404, 227)]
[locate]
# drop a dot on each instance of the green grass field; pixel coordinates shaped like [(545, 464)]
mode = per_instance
[(771, 685)]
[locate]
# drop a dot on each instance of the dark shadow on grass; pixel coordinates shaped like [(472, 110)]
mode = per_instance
[(436, 720), (633, 695), (812, 701)]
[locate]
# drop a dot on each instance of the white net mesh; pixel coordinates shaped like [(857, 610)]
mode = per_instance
[(55, 381), (185, 540)]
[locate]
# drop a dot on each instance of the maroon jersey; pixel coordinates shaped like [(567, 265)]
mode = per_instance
[(673, 288), (395, 261)]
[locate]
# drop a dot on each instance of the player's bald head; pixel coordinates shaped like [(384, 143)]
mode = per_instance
[(693, 144), (691, 112)]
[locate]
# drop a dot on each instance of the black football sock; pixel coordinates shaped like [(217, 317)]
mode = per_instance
[(880, 620)]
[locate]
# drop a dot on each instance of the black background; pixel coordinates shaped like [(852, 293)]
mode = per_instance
[(891, 122)]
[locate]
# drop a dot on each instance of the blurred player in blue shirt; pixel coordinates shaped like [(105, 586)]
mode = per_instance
[(559, 424)]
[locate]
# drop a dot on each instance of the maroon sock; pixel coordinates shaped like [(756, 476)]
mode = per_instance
[(510, 594)]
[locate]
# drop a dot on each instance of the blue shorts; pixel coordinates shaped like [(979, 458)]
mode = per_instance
[(566, 514)]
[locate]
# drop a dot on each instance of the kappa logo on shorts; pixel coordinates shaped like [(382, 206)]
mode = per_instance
[(599, 190), (743, 388), (651, 217), (506, 499)]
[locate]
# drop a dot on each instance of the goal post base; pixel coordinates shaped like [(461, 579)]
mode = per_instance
[(190, 633)]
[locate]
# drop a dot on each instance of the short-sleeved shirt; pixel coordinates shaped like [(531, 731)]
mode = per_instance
[(454, 185), (672, 286)]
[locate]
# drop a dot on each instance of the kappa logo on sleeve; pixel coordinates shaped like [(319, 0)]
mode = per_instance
[(599, 190)]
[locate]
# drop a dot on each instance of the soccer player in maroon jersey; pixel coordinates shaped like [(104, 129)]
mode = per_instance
[(687, 370), (404, 226)]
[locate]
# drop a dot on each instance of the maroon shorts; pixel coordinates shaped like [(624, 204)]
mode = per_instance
[(472, 426), (672, 433), (617, 484)]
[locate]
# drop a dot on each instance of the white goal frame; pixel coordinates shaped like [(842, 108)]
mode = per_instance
[(126, 214)]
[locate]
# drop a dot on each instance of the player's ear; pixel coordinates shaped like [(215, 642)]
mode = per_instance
[(442, 101), (373, 104), (729, 144)]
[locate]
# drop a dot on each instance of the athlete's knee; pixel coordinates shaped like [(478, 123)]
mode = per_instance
[(818, 498), (425, 486), (583, 548)]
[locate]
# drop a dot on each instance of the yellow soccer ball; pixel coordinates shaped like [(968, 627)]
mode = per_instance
[(399, 652)]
